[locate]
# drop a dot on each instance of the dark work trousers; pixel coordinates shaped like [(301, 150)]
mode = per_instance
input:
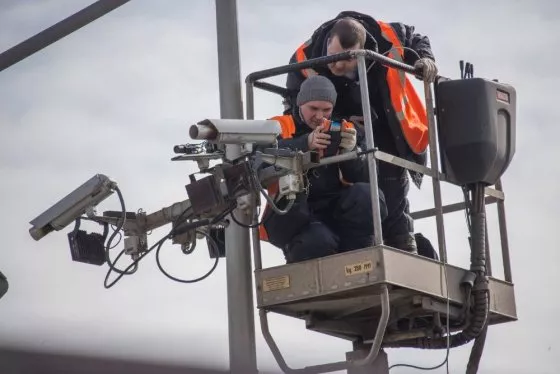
[(338, 224), (393, 181), (398, 227)]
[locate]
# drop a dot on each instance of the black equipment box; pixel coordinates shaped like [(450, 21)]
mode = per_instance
[(476, 127)]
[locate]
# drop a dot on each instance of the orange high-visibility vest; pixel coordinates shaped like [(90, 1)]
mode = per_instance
[(288, 127), (406, 103)]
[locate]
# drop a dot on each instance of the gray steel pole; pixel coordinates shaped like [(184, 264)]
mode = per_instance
[(371, 161), (242, 351), (57, 31)]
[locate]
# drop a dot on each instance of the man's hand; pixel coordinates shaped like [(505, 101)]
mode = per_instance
[(357, 120), (318, 140), (348, 139), (428, 68)]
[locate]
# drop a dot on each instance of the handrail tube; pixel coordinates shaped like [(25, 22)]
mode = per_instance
[(371, 163), (380, 332), (335, 366), (450, 208), (436, 187), (271, 88), (324, 60), (284, 69), (504, 235)]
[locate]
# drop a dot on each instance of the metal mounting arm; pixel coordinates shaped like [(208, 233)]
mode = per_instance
[(335, 366), (140, 223)]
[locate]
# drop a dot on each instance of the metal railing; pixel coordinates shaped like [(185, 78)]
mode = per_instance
[(491, 195)]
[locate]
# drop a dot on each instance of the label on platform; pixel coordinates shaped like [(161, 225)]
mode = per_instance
[(276, 283), (358, 268)]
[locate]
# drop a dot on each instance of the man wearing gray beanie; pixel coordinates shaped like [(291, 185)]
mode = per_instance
[(316, 88), (335, 214)]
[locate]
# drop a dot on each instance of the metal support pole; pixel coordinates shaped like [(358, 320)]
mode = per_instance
[(250, 114), (372, 163), (57, 31), (435, 168), (242, 351), (504, 235)]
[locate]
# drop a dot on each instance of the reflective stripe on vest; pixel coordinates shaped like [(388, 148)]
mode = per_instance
[(301, 57), (288, 127), (406, 103)]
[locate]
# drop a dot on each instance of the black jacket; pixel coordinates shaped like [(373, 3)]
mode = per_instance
[(325, 187), (324, 181), (387, 131)]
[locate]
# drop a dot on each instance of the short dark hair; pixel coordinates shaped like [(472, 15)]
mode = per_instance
[(350, 32)]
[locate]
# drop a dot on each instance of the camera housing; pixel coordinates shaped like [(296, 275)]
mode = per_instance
[(236, 131), (72, 206)]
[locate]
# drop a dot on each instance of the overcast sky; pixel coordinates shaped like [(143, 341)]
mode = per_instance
[(114, 98)]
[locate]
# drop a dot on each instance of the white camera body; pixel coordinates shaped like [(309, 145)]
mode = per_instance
[(72, 206), (236, 131)]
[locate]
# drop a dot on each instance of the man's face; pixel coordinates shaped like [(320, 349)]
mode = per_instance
[(340, 68), (314, 112)]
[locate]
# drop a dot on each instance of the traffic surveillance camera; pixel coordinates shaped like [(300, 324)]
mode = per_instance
[(71, 207), (236, 131)]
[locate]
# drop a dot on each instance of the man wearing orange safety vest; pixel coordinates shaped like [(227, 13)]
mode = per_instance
[(335, 214), (398, 116)]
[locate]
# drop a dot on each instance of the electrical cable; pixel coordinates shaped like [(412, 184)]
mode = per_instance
[(468, 207), (480, 293), (264, 219), (252, 225), (134, 264), (269, 199), (120, 225), (118, 241), (214, 248), (190, 249), (271, 202), (446, 359), (447, 321)]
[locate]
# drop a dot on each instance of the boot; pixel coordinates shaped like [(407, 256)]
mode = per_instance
[(404, 242)]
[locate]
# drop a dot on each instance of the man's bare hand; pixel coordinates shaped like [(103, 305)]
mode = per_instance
[(318, 140)]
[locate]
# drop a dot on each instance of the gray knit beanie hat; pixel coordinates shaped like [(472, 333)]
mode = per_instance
[(316, 88)]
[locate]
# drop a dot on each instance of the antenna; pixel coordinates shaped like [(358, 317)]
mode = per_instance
[(467, 69)]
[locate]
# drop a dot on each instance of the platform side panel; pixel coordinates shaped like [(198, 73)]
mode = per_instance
[(426, 276), (351, 270), (287, 283), (502, 299)]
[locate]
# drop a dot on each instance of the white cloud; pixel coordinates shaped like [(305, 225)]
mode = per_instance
[(116, 96)]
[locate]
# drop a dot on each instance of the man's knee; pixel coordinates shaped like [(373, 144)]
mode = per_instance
[(356, 203), (314, 241)]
